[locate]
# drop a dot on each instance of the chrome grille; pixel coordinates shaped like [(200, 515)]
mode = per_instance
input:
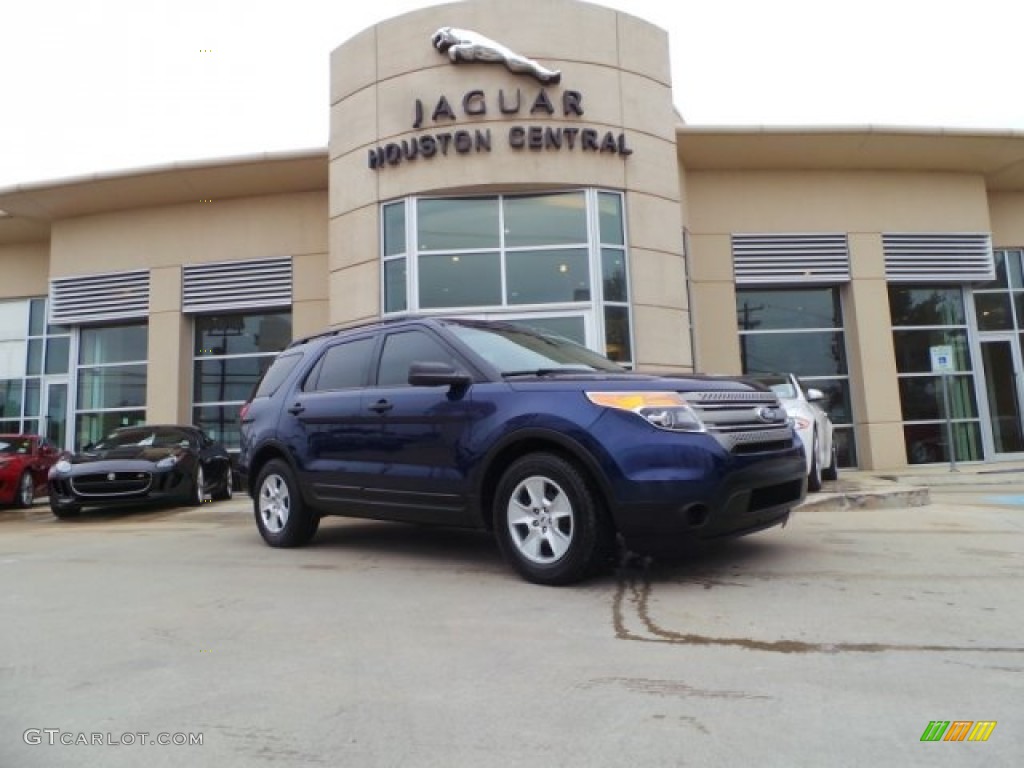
[(736, 419), (764, 438), (731, 396)]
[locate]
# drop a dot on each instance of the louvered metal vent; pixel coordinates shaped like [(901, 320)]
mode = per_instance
[(821, 259), (930, 258), (237, 285), (99, 298)]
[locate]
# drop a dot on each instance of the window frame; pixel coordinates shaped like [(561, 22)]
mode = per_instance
[(960, 425), (598, 308)]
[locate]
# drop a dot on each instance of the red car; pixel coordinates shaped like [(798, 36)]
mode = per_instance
[(25, 461)]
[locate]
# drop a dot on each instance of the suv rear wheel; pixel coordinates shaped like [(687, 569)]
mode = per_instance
[(547, 520), (283, 518)]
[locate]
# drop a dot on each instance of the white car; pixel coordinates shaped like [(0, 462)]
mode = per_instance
[(811, 423)]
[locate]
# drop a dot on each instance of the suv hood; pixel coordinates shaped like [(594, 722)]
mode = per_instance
[(628, 380)]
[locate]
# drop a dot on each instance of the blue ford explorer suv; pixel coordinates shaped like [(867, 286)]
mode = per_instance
[(494, 425)]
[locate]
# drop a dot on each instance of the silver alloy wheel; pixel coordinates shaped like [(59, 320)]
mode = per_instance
[(275, 503), (26, 490), (540, 519)]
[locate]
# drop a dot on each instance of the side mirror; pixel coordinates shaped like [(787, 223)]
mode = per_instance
[(815, 395), (437, 375)]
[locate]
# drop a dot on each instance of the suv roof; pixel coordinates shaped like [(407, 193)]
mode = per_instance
[(388, 322)]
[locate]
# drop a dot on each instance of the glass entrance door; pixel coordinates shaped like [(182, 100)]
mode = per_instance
[(1000, 357)]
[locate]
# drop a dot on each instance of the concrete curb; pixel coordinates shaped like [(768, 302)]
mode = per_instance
[(993, 477), (866, 492)]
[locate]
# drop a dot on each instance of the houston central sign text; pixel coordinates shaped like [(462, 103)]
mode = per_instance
[(435, 140)]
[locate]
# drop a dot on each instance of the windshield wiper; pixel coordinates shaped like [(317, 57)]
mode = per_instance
[(549, 371)]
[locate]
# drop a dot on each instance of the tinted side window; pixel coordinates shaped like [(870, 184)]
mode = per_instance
[(343, 366), (403, 349), (276, 374)]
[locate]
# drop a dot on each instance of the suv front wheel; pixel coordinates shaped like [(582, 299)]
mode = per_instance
[(283, 518), (547, 520)]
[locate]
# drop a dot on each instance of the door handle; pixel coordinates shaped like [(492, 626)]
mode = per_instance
[(296, 409), (381, 406)]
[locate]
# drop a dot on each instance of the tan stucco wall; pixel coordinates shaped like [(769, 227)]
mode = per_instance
[(170, 350), (1007, 212), (617, 62), (246, 228), (861, 204), (25, 268), (840, 201), (165, 238)]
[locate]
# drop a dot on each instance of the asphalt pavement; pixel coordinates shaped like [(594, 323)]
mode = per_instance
[(835, 641)]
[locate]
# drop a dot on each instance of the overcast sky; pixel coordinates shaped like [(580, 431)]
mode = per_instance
[(101, 85)]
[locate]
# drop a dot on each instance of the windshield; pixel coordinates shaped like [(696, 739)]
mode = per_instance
[(516, 349), (15, 445), (144, 436)]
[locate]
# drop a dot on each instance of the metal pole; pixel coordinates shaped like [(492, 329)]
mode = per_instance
[(949, 423)]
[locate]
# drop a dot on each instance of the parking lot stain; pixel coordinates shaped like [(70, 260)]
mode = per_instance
[(634, 590), (669, 688)]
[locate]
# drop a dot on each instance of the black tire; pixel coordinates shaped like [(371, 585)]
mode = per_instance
[(228, 490), (831, 472), (25, 493), (196, 492), (282, 516), (814, 476), (65, 511), (549, 525)]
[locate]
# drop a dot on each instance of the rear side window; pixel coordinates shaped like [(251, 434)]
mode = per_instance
[(276, 374), (342, 366), (402, 350)]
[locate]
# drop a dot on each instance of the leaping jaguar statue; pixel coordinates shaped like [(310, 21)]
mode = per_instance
[(467, 45)]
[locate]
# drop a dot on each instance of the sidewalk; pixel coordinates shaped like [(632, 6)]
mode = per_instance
[(908, 486)]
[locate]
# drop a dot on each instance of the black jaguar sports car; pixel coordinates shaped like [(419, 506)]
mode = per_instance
[(138, 465)]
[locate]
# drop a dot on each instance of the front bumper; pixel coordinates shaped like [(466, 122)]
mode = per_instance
[(119, 484), (673, 488)]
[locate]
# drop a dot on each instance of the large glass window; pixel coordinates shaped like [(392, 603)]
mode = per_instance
[(923, 317), (800, 330), (231, 352), (112, 362), (559, 251), (11, 399), (29, 350), (999, 304)]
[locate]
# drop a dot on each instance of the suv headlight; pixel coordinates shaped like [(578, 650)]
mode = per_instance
[(664, 410)]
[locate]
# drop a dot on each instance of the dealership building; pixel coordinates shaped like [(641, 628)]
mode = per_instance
[(525, 161)]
